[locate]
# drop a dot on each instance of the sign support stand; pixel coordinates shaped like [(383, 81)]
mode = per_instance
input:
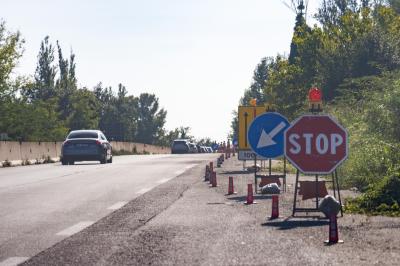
[(315, 108), (335, 186), (269, 172)]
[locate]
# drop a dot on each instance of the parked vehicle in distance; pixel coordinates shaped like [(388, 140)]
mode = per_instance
[(180, 146), (192, 148), (86, 145), (198, 146), (210, 150)]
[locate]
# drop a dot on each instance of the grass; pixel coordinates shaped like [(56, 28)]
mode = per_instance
[(125, 152), (278, 167)]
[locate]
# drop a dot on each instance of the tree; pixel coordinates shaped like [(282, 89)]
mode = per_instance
[(299, 30), (10, 53), (260, 77), (44, 87), (84, 114), (151, 119), (66, 84)]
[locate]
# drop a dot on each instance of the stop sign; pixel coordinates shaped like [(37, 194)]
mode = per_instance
[(316, 144)]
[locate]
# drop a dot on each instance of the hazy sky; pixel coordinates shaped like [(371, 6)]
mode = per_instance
[(197, 56)]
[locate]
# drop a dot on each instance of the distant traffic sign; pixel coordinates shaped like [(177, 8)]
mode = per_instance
[(247, 155), (235, 142), (246, 114), (316, 144), (266, 135)]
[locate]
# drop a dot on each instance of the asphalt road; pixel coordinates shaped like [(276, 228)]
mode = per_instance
[(41, 205)]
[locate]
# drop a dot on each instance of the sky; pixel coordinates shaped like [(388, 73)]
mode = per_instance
[(197, 56)]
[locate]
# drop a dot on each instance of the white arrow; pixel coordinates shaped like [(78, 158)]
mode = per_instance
[(267, 139)]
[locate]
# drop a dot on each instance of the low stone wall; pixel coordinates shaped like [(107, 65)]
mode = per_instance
[(139, 148), (22, 151)]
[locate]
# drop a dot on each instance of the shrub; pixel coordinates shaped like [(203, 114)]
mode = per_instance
[(381, 198)]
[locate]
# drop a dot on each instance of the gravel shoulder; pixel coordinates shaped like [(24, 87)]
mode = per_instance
[(185, 222)]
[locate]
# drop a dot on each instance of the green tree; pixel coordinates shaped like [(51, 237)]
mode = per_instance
[(260, 77), (84, 113), (151, 119), (66, 84), (10, 52), (44, 87)]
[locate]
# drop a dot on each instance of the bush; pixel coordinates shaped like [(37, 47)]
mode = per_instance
[(381, 198), (7, 163)]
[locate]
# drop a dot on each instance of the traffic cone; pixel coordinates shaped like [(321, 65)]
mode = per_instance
[(333, 231), (231, 189), (275, 207), (213, 179), (250, 197), (207, 174)]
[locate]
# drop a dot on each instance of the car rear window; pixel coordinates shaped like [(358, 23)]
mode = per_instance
[(83, 135), (179, 142)]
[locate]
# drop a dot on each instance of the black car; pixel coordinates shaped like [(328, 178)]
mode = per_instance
[(86, 145), (180, 146)]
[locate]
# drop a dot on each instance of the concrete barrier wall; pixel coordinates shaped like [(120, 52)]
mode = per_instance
[(139, 147), (20, 151)]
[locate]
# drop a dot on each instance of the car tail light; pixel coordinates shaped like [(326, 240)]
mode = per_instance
[(98, 142), (65, 143)]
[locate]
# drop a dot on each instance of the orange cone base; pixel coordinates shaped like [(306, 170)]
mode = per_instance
[(333, 243), (254, 202)]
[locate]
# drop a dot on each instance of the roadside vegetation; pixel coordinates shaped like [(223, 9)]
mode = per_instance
[(353, 55), (48, 104)]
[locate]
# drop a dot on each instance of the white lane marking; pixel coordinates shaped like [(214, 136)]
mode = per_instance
[(117, 205), (187, 167), (163, 180), (75, 228), (179, 172), (143, 190), (190, 166), (13, 261)]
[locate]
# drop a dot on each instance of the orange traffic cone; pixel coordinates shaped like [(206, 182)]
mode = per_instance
[(213, 179), (250, 197), (207, 174), (231, 189), (333, 231), (275, 207)]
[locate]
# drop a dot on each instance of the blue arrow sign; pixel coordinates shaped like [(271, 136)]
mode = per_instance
[(235, 142), (266, 134)]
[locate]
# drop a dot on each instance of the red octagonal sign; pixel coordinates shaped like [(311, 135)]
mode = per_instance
[(316, 144)]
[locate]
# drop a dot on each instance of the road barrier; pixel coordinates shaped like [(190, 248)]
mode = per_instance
[(207, 174), (213, 179), (333, 231), (275, 207), (231, 189), (250, 197)]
